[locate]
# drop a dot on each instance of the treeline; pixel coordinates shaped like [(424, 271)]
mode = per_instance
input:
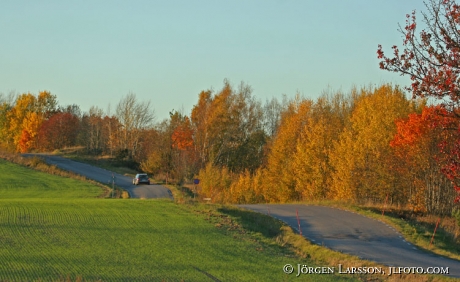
[(369, 145)]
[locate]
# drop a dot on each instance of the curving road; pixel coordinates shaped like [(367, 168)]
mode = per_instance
[(105, 176), (336, 229), (355, 234)]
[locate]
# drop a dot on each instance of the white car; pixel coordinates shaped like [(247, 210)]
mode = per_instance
[(141, 178)]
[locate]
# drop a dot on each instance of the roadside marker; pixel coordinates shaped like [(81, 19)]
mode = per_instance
[(298, 221), (437, 223), (384, 206)]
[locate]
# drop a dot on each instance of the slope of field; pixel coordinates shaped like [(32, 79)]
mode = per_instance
[(52, 228), (22, 183)]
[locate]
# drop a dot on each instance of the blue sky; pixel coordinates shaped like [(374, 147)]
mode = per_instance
[(95, 52)]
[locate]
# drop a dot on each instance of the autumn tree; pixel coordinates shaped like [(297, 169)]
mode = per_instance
[(419, 159), (59, 131), (362, 157), (280, 181), (199, 118), (46, 104), (431, 59), (23, 105), (228, 128), (20, 117), (111, 129), (30, 132), (6, 104), (174, 148), (312, 167), (183, 147), (160, 155)]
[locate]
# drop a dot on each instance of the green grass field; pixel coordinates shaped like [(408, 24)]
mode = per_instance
[(54, 228)]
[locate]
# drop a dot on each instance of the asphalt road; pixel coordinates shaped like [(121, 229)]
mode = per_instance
[(336, 229), (357, 235), (105, 176)]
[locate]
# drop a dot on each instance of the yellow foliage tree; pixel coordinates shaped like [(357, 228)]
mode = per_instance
[(362, 156), (24, 118), (311, 166), (24, 105), (280, 183), (215, 182)]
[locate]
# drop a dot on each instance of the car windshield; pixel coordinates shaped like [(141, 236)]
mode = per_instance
[(142, 176)]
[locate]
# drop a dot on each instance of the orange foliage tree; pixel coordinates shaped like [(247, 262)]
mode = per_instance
[(416, 146), (27, 113), (29, 136), (182, 136)]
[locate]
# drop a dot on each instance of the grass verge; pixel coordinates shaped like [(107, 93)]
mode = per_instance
[(419, 230), (278, 239)]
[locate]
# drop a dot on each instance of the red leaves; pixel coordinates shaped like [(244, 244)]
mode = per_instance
[(59, 131), (417, 126), (380, 53), (432, 60), (457, 199), (434, 132), (182, 136)]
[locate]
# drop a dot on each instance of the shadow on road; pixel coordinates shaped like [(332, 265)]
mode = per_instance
[(253, 221)]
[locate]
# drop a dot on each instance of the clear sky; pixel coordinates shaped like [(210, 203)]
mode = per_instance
[(95, 52)]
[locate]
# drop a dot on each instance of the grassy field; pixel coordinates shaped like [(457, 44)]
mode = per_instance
[(55, 228)]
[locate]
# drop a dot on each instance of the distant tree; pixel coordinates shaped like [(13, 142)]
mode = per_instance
[(95, 140), (199, 118), (30, 131), (272, 116), (182, 136), (228, 128), (134, 117), (59, 131), (111, 130), (159, 156), (6, 105), (46, 104), (24, 105)]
